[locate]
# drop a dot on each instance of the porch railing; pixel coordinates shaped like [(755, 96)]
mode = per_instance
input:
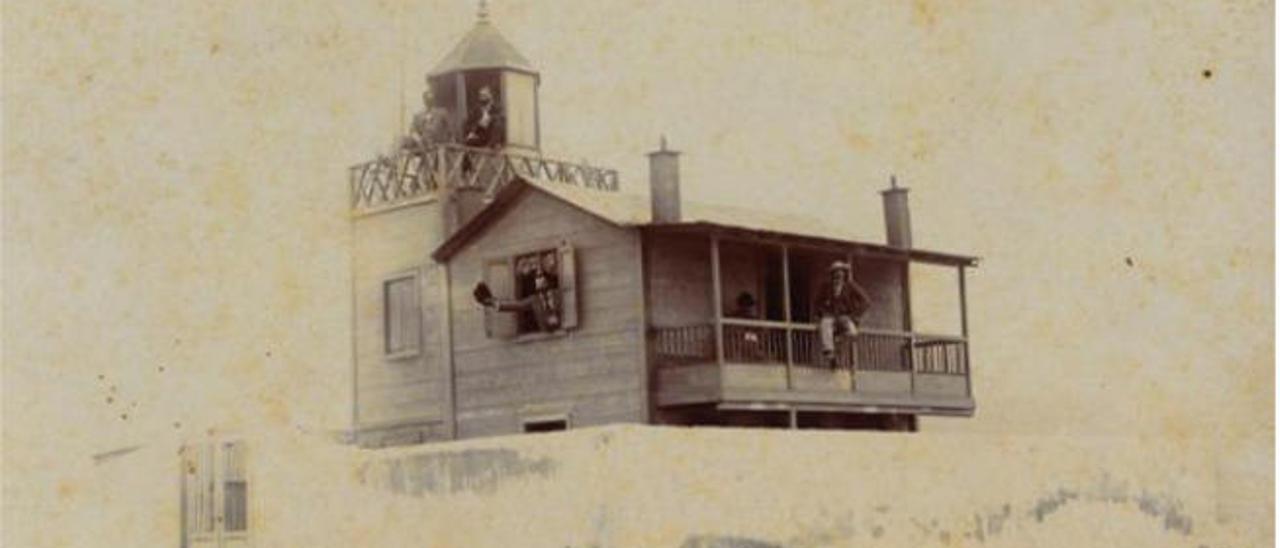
[(765, 342), (408, 175)]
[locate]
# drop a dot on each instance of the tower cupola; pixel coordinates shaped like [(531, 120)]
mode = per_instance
[(490, 89)]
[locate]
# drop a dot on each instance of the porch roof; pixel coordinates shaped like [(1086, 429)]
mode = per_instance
[(773, 236)]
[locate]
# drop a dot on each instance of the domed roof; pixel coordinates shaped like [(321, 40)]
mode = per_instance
[(482, 48)]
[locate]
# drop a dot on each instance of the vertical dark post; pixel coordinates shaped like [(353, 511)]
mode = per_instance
[(854, 343), (717, 311), (460, 93), (964, 330), (786, 313), (537, 115), (907, 323), (446, 355)]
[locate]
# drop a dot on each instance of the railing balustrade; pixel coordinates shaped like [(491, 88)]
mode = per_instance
[(688, 344), (407, 175), (942, 355), (765, 342)]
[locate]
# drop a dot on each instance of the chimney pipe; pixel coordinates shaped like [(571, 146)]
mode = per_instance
[(897, 217), (664, 183)]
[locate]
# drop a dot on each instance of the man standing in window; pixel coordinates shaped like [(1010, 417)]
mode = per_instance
[(544, 301), (839, 306)]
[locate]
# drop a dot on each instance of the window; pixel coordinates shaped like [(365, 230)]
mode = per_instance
[(401, 316), (235, 489), (546, 425), (215, 491), (536, 292), (538, 279), (520, 91)]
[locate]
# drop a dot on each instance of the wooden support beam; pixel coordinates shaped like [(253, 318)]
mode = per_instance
[(717, 307), (786, 313), (853, 341), (450, 390), (964, 330)]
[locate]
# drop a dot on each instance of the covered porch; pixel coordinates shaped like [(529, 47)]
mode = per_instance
[(732, 326)]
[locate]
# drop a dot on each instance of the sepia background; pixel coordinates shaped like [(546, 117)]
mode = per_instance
[(176, 240)]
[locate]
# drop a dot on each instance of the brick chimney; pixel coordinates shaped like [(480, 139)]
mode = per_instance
[(664, 183), (897, 217)]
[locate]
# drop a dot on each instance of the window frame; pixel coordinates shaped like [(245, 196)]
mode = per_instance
[(414, 279), (211, 462), (524, 329)]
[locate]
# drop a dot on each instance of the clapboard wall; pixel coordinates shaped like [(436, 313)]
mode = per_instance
[(594, 374), (397, 400)]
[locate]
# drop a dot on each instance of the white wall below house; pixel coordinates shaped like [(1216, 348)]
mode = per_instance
[(631, 485)]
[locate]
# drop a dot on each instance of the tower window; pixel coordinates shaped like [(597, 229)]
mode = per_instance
[(401, 316)]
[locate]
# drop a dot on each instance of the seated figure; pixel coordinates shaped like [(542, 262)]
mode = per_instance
[(748, 339), (839, 307)]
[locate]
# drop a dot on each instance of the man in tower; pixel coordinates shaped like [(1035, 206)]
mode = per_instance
[(485, 123), (839, 306), (430, 126)]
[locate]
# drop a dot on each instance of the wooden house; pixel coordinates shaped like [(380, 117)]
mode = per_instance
[(616, 309)]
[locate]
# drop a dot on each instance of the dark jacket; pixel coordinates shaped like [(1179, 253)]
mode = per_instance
[(852, 301), (485, 133)]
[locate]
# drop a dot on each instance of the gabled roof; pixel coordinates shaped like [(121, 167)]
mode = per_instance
[(612, 207), (483, 48), (630, 210)]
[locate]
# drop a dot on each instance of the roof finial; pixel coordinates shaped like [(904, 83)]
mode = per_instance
[(662, 142), (893, 181), (482, 13)]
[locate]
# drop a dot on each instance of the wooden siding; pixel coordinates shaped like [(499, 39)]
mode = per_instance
[(401, 395), (679, 279), (883, 281), (594, 372)]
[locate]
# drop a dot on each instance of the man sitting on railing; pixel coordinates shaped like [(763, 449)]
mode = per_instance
[(839, 306)]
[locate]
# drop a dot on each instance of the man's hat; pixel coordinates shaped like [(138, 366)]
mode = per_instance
[(840, 265)]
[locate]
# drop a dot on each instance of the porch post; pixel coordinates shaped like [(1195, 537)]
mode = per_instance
[(786, 310), (908, 323), (964, 330), (717, 308), (853, 341)]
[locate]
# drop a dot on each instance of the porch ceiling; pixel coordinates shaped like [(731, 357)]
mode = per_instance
[(856, 247)]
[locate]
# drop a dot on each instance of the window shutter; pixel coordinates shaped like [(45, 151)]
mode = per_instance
[(568, 286), (501, 281)]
